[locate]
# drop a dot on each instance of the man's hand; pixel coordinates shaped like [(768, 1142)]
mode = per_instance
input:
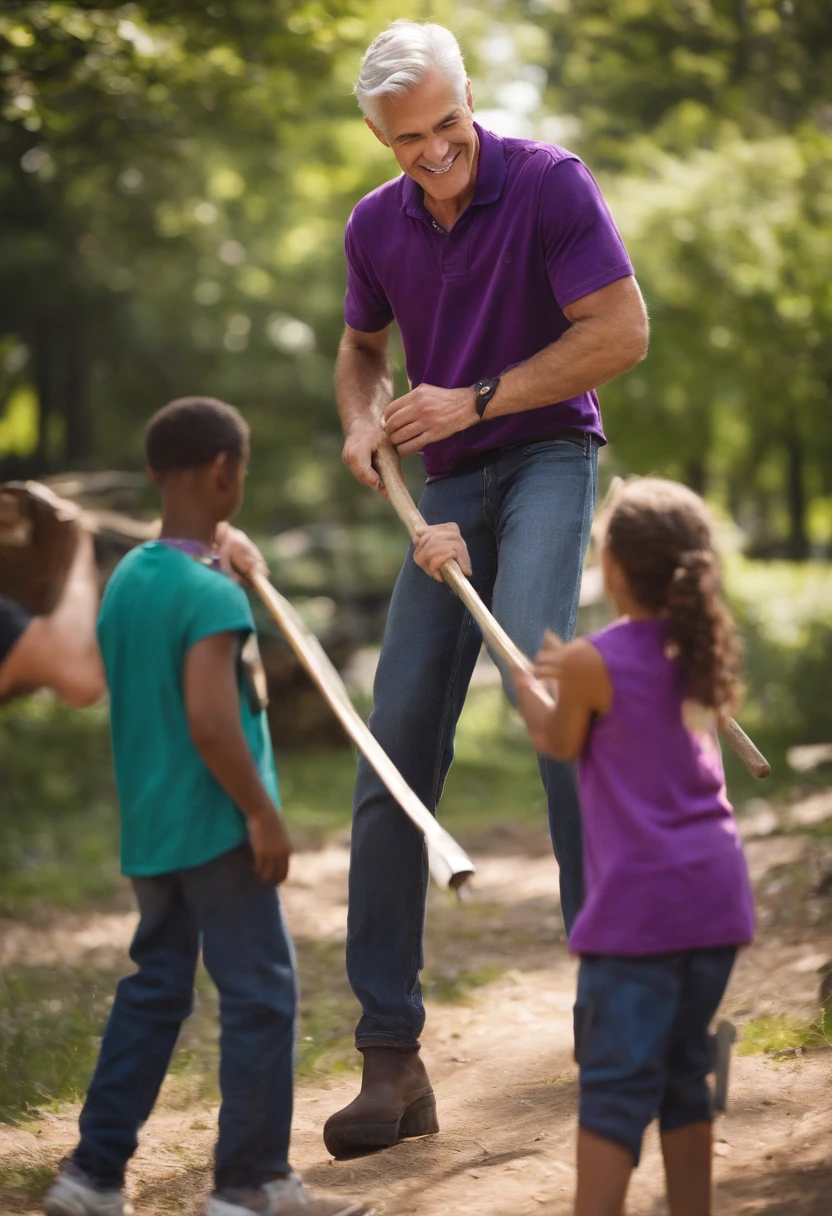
[(238, 554), (271, 846), (437, 544), (360, 445), (428, 414)]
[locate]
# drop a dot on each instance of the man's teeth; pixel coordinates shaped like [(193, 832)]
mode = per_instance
[(439, 172)]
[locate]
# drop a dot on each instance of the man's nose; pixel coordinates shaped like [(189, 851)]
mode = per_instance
[(437, 149)]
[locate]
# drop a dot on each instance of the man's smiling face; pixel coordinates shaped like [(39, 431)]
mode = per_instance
[(431, 133)]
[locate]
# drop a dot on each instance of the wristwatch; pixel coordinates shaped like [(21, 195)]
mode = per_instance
[(483, 391)]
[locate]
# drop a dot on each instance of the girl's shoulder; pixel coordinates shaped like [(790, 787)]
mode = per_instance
[(625, 635)]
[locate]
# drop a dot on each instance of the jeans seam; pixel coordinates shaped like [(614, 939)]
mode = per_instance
[(450, 698), (586, 525)]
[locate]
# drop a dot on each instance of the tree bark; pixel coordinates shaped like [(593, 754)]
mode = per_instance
[(44, 367), (74, 396), (798, 542)]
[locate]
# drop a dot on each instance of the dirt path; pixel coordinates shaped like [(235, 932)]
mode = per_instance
[(499, 1056)]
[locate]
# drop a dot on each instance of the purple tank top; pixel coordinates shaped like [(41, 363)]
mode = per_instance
[(664, 866)]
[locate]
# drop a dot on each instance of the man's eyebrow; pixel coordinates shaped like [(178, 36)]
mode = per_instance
[(416, 134)]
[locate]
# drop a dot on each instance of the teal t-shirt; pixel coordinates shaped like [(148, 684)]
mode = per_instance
[(174, 814)]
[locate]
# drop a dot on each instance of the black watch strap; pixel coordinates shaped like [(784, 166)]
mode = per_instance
[(483, 391)]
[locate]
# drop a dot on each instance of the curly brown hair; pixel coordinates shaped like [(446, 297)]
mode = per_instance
[(660, 534)]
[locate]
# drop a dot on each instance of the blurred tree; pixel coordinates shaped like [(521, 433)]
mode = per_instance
[(716, 118), (174, 180), (149, 173)]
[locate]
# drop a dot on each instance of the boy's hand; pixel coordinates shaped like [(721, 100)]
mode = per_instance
[(271, 844), (238, 554), (437, 544)]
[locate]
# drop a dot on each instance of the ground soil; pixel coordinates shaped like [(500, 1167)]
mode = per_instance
[(499, 1056)]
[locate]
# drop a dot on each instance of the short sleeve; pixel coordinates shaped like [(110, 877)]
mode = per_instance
[(14, 621), (583, 248), (219, 606), (366, 307)]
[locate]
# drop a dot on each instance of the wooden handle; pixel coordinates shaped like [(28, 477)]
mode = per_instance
[(388, 466), (450, 865), (746, 749)]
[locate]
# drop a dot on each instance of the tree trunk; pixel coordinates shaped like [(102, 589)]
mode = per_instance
[(798, 543), (75, 406), (43, 348)]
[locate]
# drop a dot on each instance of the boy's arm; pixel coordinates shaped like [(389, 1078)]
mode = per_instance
[(558, 725), (212, 700)]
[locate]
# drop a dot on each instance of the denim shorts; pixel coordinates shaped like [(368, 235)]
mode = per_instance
[(641, 1040)]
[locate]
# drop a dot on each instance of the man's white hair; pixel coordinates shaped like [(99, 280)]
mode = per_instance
[(401, 57)]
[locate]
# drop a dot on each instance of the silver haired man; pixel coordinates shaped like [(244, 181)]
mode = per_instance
[(501, 265)]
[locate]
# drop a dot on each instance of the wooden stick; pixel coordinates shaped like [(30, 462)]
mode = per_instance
[(450, 866), (388, 466)]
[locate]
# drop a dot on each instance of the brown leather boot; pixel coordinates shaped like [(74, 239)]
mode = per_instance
[(396, 1101)]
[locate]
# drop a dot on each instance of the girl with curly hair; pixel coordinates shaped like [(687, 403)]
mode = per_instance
[(668, 899)]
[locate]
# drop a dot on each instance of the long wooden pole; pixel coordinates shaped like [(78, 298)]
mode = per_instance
[(450, 866), (389, 468)]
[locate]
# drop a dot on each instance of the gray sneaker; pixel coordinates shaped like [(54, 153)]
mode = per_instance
[(285, 1197), (74, 1194)]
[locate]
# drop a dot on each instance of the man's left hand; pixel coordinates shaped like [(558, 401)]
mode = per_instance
[(428, 414), (238, 553)]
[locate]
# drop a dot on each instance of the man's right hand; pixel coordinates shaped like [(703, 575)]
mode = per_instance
[(271, 845), (362, 442)]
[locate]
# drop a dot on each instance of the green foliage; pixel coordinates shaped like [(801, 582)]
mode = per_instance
[(174, 180)]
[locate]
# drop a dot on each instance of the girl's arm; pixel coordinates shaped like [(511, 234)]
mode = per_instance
[(558, 724)]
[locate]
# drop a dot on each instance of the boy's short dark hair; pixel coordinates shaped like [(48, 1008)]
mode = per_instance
[(191, 432)]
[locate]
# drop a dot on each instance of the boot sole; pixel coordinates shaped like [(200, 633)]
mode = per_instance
[(417, 1119)]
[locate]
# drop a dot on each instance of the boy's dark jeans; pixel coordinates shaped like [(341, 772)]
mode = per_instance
[(237, 920)]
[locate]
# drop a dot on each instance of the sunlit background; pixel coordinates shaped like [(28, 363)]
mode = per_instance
[(174, 183)]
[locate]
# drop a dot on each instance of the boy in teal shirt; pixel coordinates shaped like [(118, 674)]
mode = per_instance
[(203, 841)]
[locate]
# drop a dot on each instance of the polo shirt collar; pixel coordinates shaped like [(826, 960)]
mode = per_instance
[(491, 176)]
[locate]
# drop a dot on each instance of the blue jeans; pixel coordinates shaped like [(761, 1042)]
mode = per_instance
[(641, 1040), (237, 919), (526, 517)]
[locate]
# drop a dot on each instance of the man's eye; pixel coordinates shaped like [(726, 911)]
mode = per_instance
[(450, 123)]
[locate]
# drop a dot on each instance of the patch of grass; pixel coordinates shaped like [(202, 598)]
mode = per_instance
[(450, 985), (775, 1034), (25, 1178), (50, 1023)]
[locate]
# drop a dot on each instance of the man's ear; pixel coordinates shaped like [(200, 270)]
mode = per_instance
[(469, 96), (380, 136)]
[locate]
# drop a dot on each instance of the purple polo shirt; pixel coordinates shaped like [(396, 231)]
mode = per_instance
[(490, 293)]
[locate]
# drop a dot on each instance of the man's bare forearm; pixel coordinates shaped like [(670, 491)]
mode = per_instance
[(608, 335), (582, 359), (363, 385)]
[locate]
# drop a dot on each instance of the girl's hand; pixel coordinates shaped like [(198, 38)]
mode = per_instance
[(437, 544), (548, 664), (535, 704)]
